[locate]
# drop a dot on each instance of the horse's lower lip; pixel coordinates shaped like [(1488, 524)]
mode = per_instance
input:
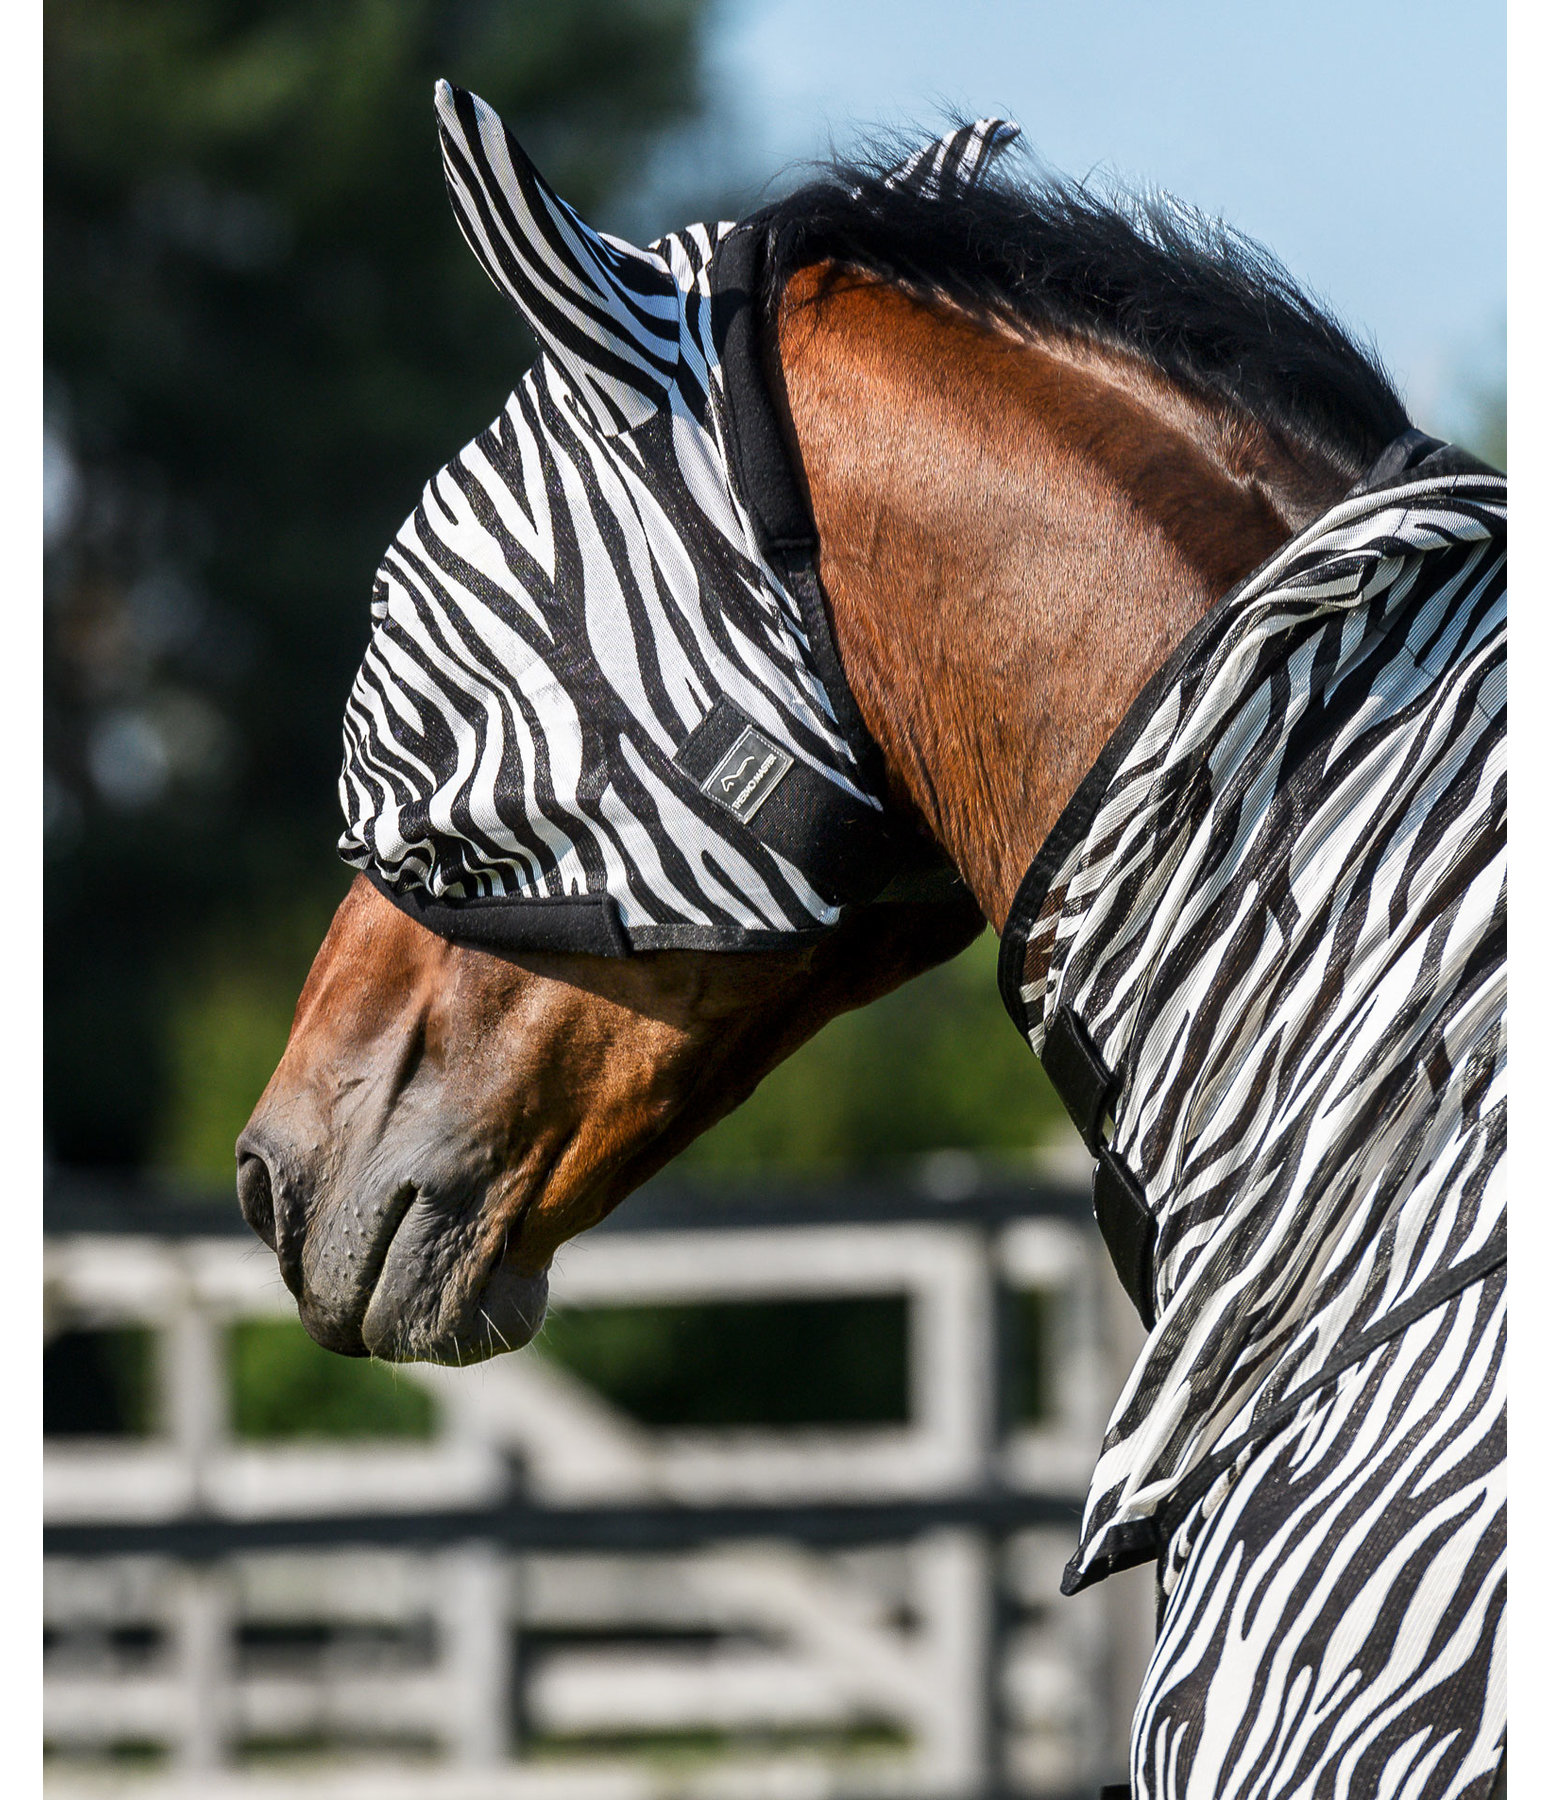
[(406, 1318)]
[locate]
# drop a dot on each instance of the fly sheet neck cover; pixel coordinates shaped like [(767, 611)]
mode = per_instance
[(600, 709), (1262, 958)]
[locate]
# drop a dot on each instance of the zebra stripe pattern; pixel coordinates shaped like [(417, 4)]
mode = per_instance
[(582, 587), (956, 161), (1284, 918), (1336, 1611)]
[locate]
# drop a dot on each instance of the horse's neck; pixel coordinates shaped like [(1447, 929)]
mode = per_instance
[(1013, 537)]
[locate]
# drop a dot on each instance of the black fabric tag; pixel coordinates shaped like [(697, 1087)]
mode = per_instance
[(844, 847), (747, 774)]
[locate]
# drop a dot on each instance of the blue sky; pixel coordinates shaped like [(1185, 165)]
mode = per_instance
[(1364, 142)]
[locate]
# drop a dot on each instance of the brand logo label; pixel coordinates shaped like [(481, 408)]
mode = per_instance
[(747, 775)]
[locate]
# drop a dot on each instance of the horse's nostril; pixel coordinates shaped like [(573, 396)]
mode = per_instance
[(255, 1195)]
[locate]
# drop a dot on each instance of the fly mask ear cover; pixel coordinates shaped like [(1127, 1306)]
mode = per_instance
[(600, 709)]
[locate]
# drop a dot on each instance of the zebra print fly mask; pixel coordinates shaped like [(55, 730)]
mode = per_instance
[(600, 709)]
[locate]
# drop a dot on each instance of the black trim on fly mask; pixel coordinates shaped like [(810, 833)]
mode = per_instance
[(588, 923), (863, 851), (761, 467)]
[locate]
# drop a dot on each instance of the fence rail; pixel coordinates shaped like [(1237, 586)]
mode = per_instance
[(549, 1598)]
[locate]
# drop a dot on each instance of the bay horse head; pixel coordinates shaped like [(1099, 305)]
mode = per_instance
[(733, 677)]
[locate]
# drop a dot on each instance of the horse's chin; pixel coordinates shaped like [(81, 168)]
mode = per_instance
[(504, 1314)]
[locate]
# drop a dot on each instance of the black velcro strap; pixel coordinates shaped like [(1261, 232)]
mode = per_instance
[(1087, 1090), (1128, 1228), (1078, 1076)]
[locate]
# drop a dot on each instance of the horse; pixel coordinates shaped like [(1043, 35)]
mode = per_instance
[(983, 551)]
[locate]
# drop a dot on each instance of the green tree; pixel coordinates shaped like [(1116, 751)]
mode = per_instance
[(263, 334)]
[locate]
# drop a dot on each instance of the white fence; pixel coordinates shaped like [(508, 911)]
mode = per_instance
[(548, 1599)]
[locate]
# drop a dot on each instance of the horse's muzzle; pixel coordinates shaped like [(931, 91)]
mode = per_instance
[(388, 1273)]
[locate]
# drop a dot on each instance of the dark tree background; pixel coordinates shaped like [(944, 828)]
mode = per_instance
[(263, 333)]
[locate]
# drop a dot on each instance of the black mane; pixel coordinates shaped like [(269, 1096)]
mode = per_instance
[(1208, 308)]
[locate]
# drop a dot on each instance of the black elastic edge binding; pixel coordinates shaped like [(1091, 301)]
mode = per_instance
[(1132, 1544), (512, 924), (761, 468), (1078, 1076), (1393, 467), (585, 923), (1444, 1286), (1128, 1229), (1077, 815), (760, 461)]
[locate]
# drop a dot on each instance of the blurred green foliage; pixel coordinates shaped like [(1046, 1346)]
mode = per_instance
[(263, 332), (228, 1013), (936, 1064), (785, 1362), (285, 1386), (779, 1363), (99, 1383), (1027, 1322)]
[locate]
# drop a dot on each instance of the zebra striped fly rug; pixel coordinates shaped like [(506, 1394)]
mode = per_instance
[(1262, 956)]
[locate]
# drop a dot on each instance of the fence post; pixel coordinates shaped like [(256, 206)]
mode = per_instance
[(953, 1360), (956, 1584), (192, 1379), (203, 1616), (473, 1625)]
